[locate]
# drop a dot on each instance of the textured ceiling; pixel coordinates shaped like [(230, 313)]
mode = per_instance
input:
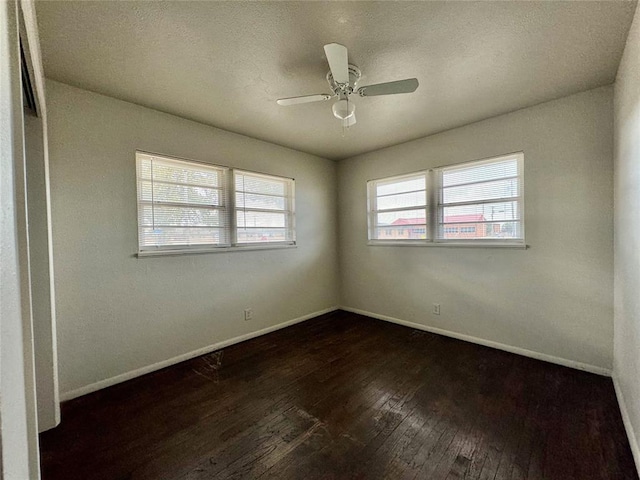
[(225, 63)]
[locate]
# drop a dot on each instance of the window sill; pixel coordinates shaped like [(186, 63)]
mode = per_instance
[(521, 246), (191, 251)]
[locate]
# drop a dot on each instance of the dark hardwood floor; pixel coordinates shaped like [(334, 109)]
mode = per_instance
[(346, 397)]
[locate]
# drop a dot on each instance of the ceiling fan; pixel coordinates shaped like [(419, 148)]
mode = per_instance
[(343, 79)]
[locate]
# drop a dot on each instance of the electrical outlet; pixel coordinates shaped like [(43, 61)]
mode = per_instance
[(248, 314), (436, 309)]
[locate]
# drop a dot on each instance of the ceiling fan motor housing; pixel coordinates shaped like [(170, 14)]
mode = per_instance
[(346, 89)]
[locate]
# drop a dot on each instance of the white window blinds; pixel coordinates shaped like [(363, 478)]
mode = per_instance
[(481, 200), (477, 202), (180, 204), (264, 208), (186, 205), (398, 208)]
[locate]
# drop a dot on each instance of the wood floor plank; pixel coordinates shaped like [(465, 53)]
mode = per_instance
[(344, 396)]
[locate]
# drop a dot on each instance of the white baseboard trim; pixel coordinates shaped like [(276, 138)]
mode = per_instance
[(631, 435), (487, 343), (78, 392)]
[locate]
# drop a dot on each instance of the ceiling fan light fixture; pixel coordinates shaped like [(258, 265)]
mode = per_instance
[(343, 109)]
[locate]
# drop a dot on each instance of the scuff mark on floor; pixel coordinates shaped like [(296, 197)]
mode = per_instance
[(209, 366)]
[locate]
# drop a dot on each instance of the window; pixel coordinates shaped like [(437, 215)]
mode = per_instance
[(398, 208), (180, 204), (264, 208), (477, 202), (186, 205), (483, 198)]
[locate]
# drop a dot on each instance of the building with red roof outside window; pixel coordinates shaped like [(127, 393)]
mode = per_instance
[(456, 227)]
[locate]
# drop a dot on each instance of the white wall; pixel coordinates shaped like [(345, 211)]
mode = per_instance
[(554, 299), (627, 236), (118, 313)]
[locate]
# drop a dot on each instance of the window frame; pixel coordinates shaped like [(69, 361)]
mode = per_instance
[(228, 194), (478, 241), (435, 209), (373, 211), (290, 212)]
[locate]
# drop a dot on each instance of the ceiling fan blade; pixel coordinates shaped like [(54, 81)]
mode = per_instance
[(401, 86), (338, 62), (305, 99), (349, 121)]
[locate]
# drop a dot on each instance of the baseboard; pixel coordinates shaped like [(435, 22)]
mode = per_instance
[(487, 343), (78, 392), (626, 420)]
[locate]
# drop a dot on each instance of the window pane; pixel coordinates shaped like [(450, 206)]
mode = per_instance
[(258, 184), (477, 184), (407, 193), (175, 200), (482, 212), (177, 171), (400, 186), (492, 230), (261, 235), (402, 200), (481, 191), (264, 208), (505, 230), (163, 192), (464, 230), (403, 217), (477, 173), (261, 219), (263, 202), (157, 215), (401, 232), (175, 236)]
